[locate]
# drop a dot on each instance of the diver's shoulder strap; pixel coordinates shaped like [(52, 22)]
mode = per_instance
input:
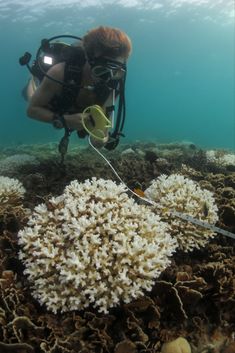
[(73, 76)]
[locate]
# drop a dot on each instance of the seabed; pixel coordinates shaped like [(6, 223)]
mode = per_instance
[(194, 298)]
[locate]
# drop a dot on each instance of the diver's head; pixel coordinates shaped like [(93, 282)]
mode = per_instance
[(107, 50), (107, 42)]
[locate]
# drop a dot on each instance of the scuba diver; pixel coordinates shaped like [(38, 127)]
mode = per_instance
[(74, 87)]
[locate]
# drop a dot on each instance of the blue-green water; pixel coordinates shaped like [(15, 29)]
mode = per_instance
[(180, 83)]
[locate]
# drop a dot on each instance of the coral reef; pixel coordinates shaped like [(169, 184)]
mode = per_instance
[(12, 211), (193, 298), (11, 191), (177, 193), (93, 245), (11, 165), (221, 158)]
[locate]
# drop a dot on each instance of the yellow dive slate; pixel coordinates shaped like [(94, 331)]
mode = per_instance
[(96, 123)]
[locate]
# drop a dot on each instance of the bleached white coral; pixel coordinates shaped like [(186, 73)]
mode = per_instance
[(93, 245), (228, 159), (177, 193), (220, 158), (11, 191)]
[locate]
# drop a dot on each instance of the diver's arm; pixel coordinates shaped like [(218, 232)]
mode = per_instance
[(39, 105)]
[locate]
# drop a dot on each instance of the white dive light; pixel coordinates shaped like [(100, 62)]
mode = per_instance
[(47, 60)]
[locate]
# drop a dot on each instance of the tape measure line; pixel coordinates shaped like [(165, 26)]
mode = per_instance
[(180, 215), (202, 224)]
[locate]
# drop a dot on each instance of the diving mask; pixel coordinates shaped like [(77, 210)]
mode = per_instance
[(96, 123), (107, 70)]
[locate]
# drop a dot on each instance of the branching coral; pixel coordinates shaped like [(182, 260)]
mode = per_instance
[(12, 212), (93, 245), (177, 193), (220, 158), (11, 191)]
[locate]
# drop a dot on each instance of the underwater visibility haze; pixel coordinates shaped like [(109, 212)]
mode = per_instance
[(180, 82), (89, 264)]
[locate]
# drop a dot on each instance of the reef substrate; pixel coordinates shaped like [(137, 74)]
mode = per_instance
[(194, 298)]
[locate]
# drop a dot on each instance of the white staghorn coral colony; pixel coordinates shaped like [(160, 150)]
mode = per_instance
[(177, 193), (11, 191), (93, 245), (220, 158)]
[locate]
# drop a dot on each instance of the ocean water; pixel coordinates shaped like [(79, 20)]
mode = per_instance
[(180, 82), (180, 87)]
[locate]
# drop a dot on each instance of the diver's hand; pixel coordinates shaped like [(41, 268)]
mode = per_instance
[(98, 143), (74, 121)]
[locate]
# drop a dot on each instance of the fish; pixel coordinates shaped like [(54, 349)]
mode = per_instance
[(139, 192)]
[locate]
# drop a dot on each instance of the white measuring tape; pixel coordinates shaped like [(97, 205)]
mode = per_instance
[(202, 224), (180, 215)]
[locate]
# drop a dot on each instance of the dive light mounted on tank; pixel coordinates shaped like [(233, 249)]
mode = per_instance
[(45, 56)]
